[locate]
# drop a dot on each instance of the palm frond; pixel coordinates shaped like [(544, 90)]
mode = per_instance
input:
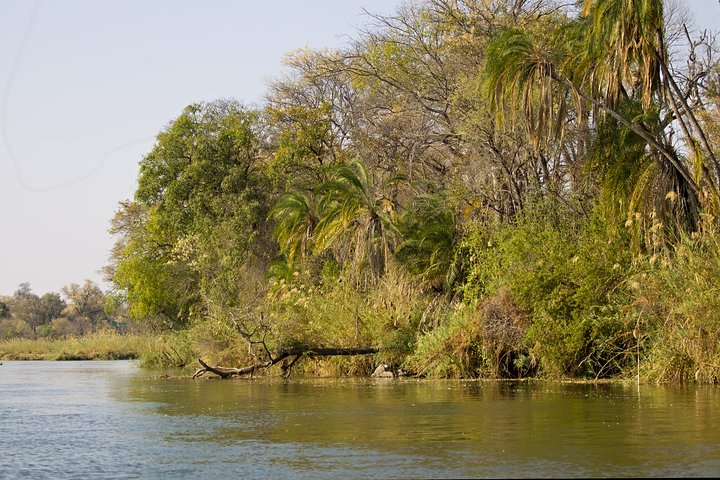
[(519, 74), (296, 220), (428, 228), (356, 218)]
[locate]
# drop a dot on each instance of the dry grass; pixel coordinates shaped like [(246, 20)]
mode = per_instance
[(97, 346)]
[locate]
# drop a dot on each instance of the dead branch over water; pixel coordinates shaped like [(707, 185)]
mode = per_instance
[(289, 357)]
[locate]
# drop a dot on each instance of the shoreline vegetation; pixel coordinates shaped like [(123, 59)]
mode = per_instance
[(475, 189), (98, 346)]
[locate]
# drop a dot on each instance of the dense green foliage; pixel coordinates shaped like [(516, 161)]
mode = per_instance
[(199, 210), (497, 189)]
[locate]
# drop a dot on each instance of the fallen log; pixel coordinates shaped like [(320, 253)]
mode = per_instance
[(297, 352)]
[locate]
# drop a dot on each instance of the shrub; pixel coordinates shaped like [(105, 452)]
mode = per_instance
[(452, 350), (677, 303), (567, 276)]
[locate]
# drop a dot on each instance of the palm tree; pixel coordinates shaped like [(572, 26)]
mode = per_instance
[(427, 249), (634, 184), (634, 33), (519, 73), (296, 218), (610, 59), (357, 219), (625, 43)]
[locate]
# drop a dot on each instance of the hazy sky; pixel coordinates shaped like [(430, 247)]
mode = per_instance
[(86, 85)]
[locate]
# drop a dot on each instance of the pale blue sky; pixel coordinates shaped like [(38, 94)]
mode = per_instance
[(85, 85)]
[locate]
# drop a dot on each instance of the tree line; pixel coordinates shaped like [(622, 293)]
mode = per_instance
[(78, 310), (502, 188)]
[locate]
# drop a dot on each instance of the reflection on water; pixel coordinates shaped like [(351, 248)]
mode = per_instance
[(113, 420)]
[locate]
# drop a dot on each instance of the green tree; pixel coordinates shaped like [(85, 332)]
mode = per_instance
[(357, 219), (310, 120), (428, 230), (611, 57), (86, 304), (305, 150), (198, 217), (52, 306), (160, 291), (296, 218), (28, 307)]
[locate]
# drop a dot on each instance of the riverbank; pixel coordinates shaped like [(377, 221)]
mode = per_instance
[(98, 346)]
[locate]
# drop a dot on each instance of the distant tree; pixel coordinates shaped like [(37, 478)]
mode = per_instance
[(116, 308), (11, 327), (52, 306), (28, 307), (64, 327), (23, 291), (85, 303)]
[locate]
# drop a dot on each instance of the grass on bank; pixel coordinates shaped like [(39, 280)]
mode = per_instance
[(96, 346)]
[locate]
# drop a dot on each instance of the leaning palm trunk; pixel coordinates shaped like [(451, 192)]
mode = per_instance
[(612, 55)]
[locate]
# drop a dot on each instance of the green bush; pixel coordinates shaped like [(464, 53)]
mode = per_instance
[(568, 275), (171, 350), (452, 350), (677, 304)]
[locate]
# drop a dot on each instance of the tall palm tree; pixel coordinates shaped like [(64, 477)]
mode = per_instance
[(357, 218), (626, 43), (634, 32), (519, 72), (610, 58)]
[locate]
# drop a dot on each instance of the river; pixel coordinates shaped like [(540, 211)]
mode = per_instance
[(114, 420)]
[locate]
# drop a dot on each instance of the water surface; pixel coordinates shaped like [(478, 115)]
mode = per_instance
[(114, 420)]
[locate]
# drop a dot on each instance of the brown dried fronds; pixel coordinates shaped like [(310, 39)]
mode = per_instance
[(503, 326)]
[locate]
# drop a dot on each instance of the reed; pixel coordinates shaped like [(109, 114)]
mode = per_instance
[(96, 346)]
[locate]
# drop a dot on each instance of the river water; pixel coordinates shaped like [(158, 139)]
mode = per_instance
[(114, 420)]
